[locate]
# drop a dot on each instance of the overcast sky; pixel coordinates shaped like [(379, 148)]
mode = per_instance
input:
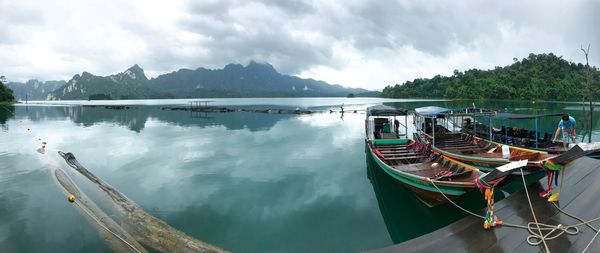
[(356, 43)]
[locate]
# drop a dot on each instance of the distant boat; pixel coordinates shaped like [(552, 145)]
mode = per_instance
[(411, 163)]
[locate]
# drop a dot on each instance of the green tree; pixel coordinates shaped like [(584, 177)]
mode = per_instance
[(6, 94)]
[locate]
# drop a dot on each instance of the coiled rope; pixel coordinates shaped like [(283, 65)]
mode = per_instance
[(538, 237)]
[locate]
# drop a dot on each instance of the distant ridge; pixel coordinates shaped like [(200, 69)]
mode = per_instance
[(234, 80)]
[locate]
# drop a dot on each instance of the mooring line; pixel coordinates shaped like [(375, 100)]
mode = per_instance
[(541, 238)]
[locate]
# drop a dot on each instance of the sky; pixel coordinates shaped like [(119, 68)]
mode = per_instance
[(355, 43)]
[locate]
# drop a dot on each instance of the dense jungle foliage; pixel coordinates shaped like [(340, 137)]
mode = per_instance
[(537, 77)]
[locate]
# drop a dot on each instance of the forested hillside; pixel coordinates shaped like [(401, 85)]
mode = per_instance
[(542, 77)]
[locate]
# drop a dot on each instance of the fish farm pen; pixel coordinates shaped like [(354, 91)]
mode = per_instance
[(574, 219)]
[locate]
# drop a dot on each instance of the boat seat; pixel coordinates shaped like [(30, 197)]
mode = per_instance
[(399, 155), (405, 157), (390, 145), (401, 151), (398, 148)]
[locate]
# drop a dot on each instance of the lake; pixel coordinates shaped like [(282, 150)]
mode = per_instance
[(246, 182)]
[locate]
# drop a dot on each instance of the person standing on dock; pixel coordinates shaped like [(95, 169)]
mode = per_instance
[(567, 125)]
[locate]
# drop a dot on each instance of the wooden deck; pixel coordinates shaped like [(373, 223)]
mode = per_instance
[(580, 196)]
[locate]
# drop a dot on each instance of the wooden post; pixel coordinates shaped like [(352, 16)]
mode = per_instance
[(536, 131), (433, 129), (490, 127)]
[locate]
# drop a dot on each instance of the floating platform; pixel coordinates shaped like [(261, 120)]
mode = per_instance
[(580, 196)]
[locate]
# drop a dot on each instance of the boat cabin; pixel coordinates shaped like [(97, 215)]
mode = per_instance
[(438, 122), (386, 122)]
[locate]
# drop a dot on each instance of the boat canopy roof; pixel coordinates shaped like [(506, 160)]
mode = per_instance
[(433, 111), (384, 110)]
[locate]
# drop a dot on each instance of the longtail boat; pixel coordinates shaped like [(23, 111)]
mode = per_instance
[(434, 126), (414, 164)]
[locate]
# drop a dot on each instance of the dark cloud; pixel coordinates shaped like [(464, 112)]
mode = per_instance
[(333, 41), (258, 37)]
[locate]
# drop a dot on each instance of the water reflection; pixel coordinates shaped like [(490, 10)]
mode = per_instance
[(6, 112), (246, 182), (243, 181), (135, 118)]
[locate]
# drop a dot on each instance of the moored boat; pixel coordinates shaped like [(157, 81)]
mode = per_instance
[(424, 171), (434, 123), (519, 137)]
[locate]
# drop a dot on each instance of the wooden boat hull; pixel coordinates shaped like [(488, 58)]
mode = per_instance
[(424, 189)]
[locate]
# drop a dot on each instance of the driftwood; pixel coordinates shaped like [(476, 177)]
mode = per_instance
[(146, 228)]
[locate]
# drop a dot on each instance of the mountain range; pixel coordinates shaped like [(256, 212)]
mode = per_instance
[(34, 89), (234, 80)]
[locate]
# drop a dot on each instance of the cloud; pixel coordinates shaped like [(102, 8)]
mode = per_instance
[(356, 43)]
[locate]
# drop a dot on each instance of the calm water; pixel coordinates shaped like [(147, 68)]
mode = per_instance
[(246, 182)]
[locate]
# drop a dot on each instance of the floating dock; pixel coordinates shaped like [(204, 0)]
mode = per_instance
[(580, 196)]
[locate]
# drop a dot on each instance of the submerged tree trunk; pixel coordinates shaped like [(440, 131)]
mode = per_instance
[(146, 228), (114, 235)]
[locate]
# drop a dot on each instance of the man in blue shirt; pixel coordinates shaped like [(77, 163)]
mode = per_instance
[(567, 125)]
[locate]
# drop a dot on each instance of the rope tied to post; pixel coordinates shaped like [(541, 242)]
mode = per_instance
[(490, 219)]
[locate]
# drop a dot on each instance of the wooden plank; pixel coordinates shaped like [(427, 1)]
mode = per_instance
[(392, 148), (404, 158), (400, 155), (394, 151), (391, 145)]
